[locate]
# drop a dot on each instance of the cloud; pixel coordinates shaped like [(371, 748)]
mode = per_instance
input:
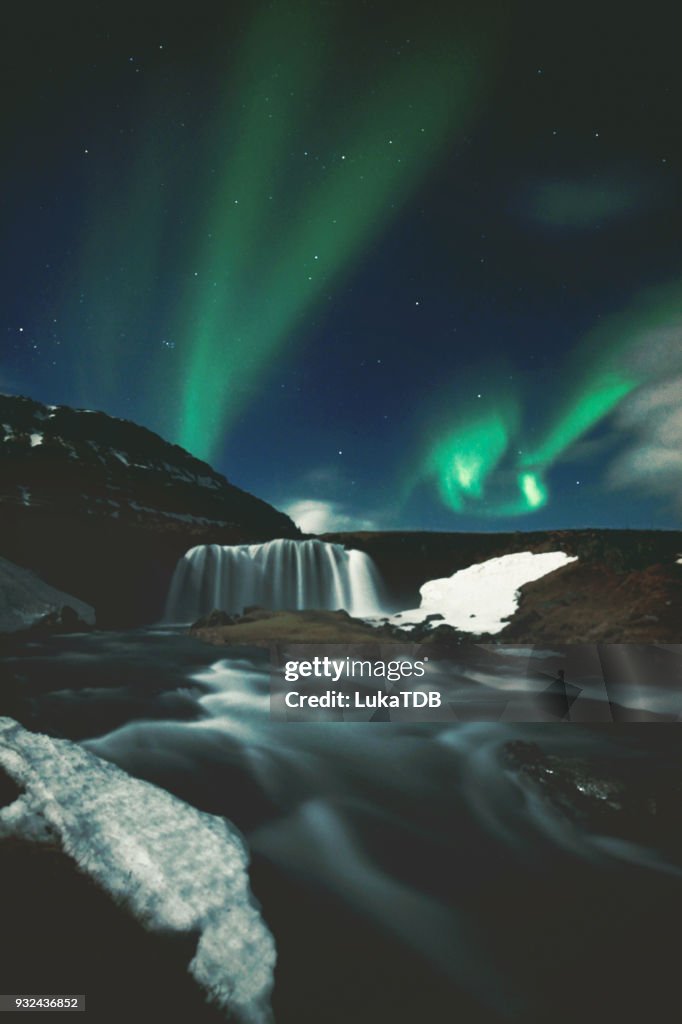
[(314, 516), (658, 351), (652, 462), (583, 203), (328, 480)]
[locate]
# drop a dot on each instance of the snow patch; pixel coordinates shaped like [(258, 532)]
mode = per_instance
[(482, 597), (25, 598), (182, 517), (36, 439), (171, 866)]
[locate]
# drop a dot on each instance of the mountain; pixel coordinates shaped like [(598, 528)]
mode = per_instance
[(103, 508)]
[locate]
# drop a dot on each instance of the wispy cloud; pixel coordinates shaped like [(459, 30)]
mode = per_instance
[(652, 461), (315, 516), (585, 203)]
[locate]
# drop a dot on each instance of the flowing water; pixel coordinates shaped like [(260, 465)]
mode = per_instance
[(407, 872)]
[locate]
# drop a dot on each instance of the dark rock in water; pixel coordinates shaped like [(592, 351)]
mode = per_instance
[(434, 617), (215, 618), (29, 603), (103, 508), (65, 621), (627, 800)]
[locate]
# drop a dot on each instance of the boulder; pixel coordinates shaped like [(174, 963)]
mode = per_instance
[(28, 602)]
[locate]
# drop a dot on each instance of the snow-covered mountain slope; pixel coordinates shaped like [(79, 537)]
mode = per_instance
[(88, 462), (103, 508)]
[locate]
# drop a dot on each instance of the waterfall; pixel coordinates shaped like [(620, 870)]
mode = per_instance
[(293, 574)]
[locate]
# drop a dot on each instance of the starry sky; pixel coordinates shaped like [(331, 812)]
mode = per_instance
[(386, 265)]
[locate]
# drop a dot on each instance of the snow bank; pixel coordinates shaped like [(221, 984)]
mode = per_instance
[(25, 598), (480, 598), (172, 866)]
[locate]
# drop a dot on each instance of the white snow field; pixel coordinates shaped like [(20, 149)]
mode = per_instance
[(173, 867), (480, 598)]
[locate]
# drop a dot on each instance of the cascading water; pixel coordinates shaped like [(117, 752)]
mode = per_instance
[(291, 574)]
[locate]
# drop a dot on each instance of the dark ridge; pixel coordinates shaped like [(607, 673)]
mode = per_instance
[(102, 508)]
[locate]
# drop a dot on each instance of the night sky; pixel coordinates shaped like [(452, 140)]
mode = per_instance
[(386, 265)]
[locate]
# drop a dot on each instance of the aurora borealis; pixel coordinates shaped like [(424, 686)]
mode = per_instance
[(611, 363), (400, 266), (373, 159)]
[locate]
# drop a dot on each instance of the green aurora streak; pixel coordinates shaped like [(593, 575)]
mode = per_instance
[(272, 250), (611, 362), (464, 457)]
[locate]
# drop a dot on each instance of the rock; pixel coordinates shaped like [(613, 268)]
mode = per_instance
[(215, 618), (592, 603), (261, 628), (254, 612), (27, 602), (443, 634), (67, 620), (640, 804)]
